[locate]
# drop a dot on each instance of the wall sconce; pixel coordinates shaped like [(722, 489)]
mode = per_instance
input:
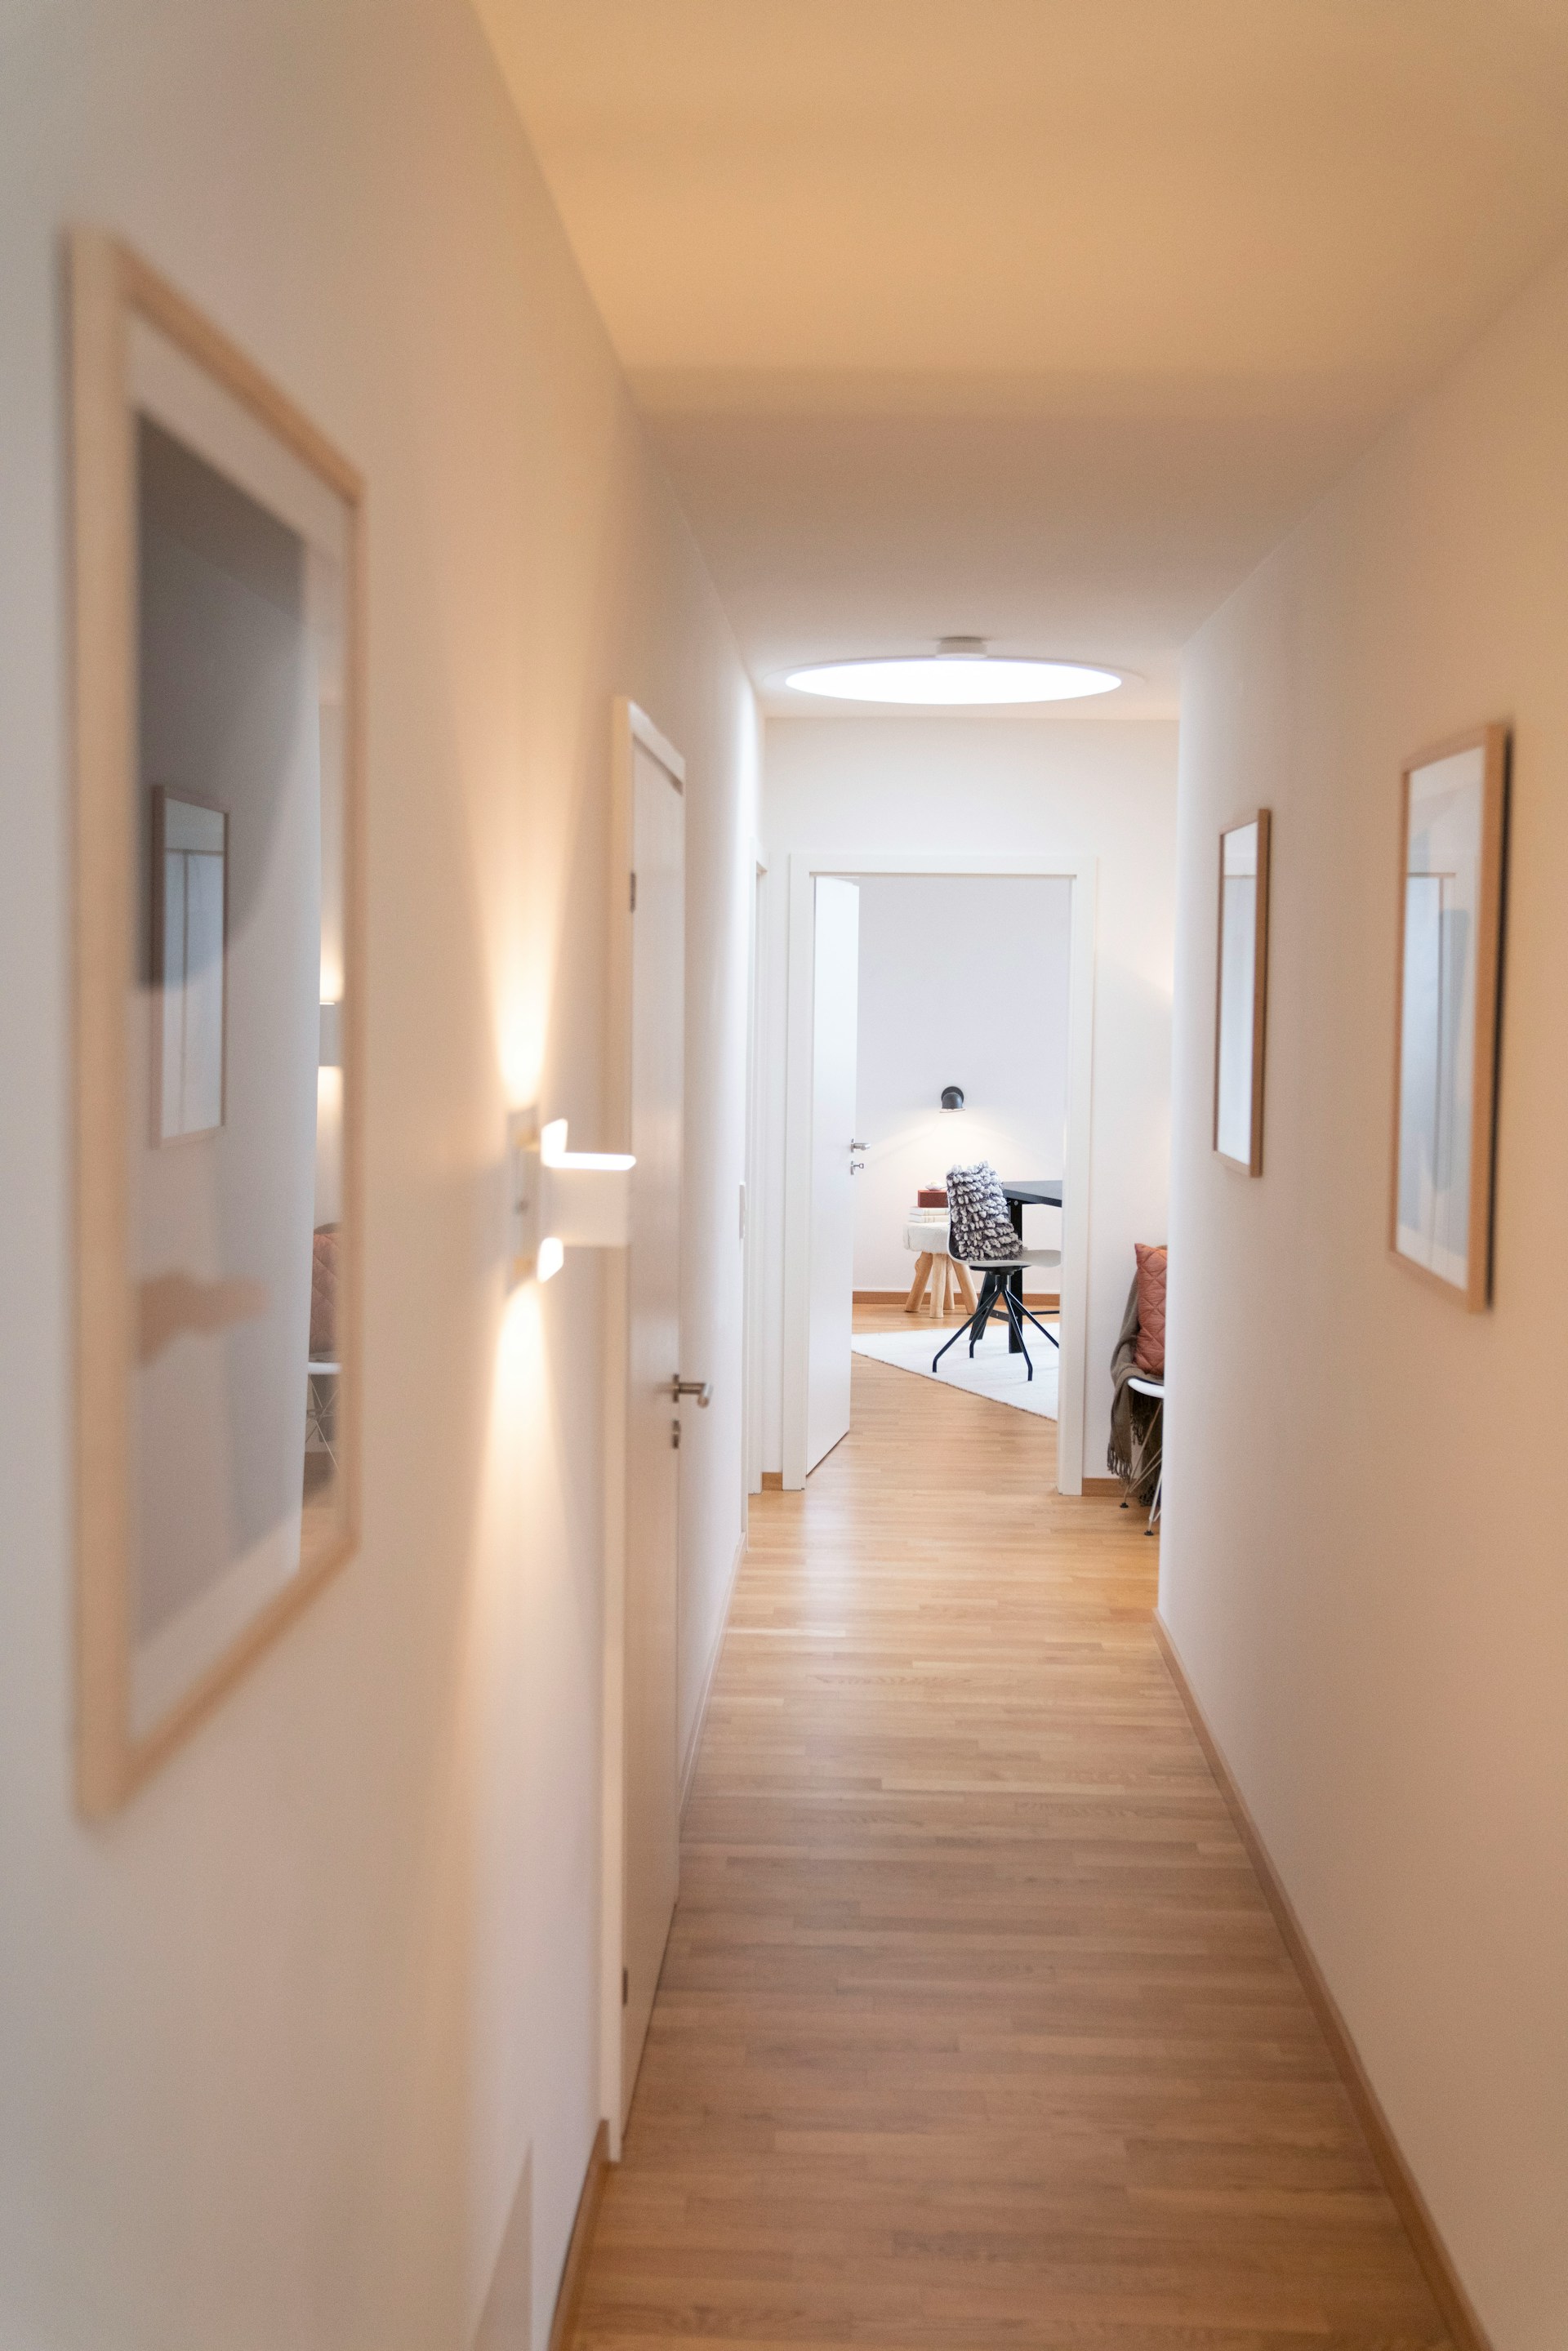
[(952, 1097), (330, 1052), (560, 1199)]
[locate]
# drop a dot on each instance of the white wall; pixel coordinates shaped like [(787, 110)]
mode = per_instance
[(280, 2041), (963, 981), (1364, 1562), (1007, 787)]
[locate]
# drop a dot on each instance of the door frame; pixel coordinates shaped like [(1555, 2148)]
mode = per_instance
[(1082, 872), (630, 727)]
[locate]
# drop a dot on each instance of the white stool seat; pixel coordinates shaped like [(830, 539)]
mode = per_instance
[(925, 1232)]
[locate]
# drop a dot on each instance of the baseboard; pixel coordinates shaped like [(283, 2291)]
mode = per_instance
[(574, 2270), (693, 1744), (773, 1481), (1458, 2312), (1102, 1485)]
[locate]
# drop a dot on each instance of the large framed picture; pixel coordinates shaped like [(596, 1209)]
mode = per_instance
[(1241, 993), (1452, 833), (218, 913)]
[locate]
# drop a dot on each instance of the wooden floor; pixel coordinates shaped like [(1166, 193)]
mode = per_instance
[(974, 2028)]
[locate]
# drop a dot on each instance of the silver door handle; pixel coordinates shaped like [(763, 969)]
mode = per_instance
[(701, 1389), (854, 1145)]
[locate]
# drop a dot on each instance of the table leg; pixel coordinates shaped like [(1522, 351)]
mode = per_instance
[(1015, 1283)]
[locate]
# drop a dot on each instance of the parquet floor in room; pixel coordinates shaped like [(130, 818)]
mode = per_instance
[(974, 2028)]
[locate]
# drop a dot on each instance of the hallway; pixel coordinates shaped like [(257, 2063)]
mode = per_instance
[(975, 2028)]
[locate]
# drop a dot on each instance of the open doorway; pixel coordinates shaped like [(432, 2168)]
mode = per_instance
[(897, 967)]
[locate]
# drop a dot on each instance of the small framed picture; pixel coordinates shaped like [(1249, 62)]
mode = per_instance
[(1241, 993), (219, 867), (1452, 833)]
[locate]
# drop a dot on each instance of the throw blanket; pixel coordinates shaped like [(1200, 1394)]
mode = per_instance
[(1137, 1421)]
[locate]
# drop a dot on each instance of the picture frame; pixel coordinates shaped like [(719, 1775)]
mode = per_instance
[(1241, 991), (217, 541), (1448, 983)]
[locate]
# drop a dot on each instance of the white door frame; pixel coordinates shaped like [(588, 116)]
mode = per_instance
[(630, 727), (1083, 873)]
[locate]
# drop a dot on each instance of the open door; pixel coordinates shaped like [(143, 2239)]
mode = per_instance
[(834, 1013), (648, 1778)]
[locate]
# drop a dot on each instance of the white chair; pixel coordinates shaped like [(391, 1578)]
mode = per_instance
[(321, 1395), (990, 1248), (1145, 1384)]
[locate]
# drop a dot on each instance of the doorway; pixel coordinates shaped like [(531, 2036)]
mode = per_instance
[(642, 1818), (823, 1172)]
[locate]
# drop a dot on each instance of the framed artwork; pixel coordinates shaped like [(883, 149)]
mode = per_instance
[(1241, 1013), (1452, 832), (218, 910)]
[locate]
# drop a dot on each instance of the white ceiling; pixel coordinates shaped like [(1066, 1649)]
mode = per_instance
[(1035, 319)]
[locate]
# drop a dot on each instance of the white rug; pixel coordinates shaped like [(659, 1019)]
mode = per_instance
[(993, 1373)]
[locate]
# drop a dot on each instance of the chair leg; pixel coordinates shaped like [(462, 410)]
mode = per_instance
[(1015, 1324), (1044, 1331), (917, 1287), (981, 1312), (993, 1291)]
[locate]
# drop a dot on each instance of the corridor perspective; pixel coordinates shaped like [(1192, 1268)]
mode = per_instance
[(783, 1009), (975, 2027)]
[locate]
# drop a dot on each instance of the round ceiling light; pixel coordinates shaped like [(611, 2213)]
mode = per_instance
[(961, 672)]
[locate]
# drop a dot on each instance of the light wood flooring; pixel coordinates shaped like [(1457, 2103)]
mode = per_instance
[(974, 2028)]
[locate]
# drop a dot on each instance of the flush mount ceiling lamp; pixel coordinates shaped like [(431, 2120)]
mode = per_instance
[(960, 672), (952, 1097)]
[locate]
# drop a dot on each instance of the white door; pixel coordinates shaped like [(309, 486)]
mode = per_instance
[(835, 993), (651, 1817)]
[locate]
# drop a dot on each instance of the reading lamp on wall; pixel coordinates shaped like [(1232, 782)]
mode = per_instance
[(952, 1097), (560, 1199)]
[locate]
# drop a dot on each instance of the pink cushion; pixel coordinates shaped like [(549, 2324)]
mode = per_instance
[(1150, 1351)]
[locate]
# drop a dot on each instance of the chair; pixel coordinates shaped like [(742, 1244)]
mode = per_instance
[(322, 1370), (1146, 1384), (980, 1237)]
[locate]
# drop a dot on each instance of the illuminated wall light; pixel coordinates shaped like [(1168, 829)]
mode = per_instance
[(560, 1199)]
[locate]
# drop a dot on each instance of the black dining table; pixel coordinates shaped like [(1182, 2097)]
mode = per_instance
[(1021, 1192)]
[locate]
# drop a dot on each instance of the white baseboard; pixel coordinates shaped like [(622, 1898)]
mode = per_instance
[(693, 1744)]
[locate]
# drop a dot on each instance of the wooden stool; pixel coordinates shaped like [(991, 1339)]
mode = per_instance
[(937, 1277)]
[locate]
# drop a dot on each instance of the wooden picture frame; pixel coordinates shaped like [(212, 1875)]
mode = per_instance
[(1241, 991), (149, 372), (1453, 822)]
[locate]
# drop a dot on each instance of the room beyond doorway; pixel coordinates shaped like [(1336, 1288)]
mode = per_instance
[(815, 1028)]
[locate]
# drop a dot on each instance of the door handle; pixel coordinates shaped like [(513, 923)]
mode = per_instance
[(854, 1145), (701, 1389)]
